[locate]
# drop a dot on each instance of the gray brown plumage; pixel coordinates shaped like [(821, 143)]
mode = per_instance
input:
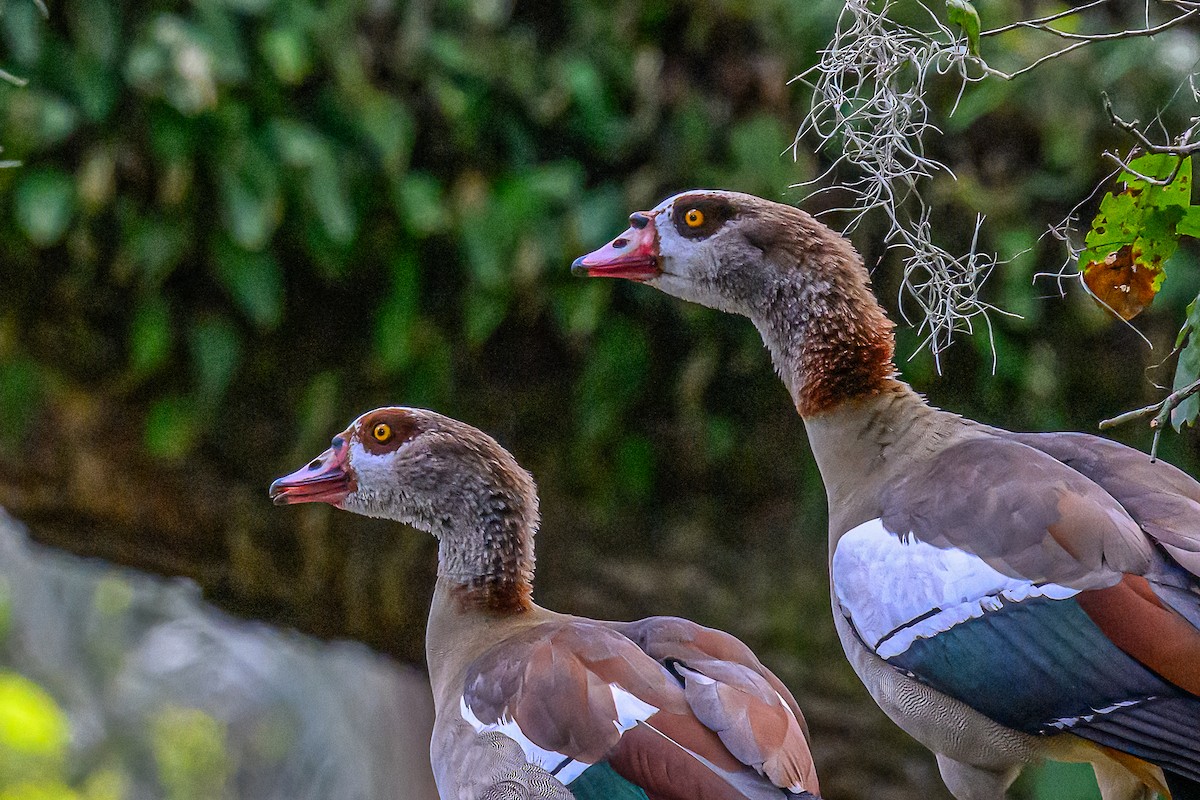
[(535, 704), (1004, 597)]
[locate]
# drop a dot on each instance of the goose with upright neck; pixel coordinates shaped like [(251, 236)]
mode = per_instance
[(535, 704), (1004, 597)]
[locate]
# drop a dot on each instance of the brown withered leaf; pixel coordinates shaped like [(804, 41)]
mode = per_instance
[(1123, 282)]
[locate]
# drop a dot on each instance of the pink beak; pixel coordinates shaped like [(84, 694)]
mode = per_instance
[(325, 479), (632, 255)]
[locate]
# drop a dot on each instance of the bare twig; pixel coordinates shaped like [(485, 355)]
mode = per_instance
[(1082, 40), (1160, 411), (1125, 165), (1043, 20), (13, 79), (1104, 37), (1182, 147)]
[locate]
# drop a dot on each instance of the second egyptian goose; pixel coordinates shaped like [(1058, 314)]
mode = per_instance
[(535, 704), (1004, 597)]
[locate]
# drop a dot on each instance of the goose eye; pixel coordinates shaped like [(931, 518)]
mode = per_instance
[(693, 218), (382, 432)]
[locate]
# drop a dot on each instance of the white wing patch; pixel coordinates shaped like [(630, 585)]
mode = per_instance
[(899, 589), (630, 711)]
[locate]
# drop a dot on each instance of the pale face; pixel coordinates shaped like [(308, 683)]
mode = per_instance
[(686, 246), (365, 468)]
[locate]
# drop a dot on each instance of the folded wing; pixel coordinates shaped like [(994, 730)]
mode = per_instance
[(1005, 578), (586, 704), (732, 693)]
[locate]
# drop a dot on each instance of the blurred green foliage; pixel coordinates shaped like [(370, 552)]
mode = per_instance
[(426, 170), (34, 735), (30, 722), (189, 748), (240, 223)]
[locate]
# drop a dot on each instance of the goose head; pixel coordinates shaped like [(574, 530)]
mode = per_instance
[(803, 285), (719, 249), (417, 467)]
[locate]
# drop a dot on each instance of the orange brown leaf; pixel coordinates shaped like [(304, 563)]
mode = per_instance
[(1122, 282)]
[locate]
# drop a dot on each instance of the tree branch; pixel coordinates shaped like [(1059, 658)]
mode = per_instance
[(1182, 148), (1081, 40), (1161, 411), (1043, 20)]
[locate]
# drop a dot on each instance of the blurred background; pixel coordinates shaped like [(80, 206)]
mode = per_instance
[(238, 224)]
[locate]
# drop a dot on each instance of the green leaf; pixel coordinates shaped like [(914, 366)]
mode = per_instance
[(20, 391), (251, 202), (1161, 166), (171, 428), (389, 126), (157, 245), (395, 320), (316, 414), (483, 312), (613, 379), (149, 336), (418, 197), (963, 14), (1189, 223), (113, 595), (310, 152), (1135, 233), (635, 466), (191, 752), (287, 52), (327, 192), (45, 202), (1059, 781), (216, 352), (96, 26), (254, 282), (1187, 368)]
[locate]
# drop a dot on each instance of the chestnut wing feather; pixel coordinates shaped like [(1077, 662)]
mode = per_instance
[(1093, 624), (733, 694), (578, 693)]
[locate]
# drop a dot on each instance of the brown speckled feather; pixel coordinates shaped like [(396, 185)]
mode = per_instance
[(491, 766)]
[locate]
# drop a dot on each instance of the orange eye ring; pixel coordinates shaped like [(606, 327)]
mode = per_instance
[(382, 432), (693, 218)]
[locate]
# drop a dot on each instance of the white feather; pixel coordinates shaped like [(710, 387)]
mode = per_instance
[(630, 711), (540, 756), (887, 583)]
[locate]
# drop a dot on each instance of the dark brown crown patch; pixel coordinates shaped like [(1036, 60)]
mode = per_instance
[(698, 217), (385, 430)]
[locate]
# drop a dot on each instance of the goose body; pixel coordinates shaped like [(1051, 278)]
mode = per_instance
[(531, 703), (1004, 597)]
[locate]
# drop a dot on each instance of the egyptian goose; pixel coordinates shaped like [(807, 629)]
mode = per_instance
[(529, 701), (1004, 597)]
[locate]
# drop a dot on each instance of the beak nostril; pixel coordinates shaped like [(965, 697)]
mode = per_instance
[(315, 463), (620, 242)]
